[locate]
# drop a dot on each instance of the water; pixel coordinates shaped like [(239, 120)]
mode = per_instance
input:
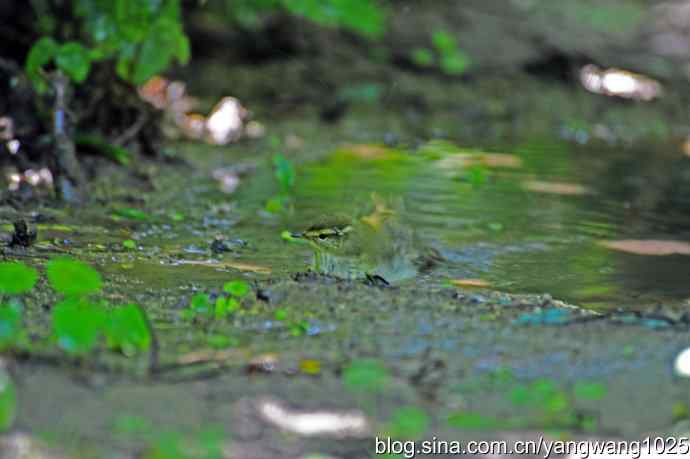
[(528, 220), (525, 218)]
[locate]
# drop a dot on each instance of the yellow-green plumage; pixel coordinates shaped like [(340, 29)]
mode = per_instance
[(376, 245)]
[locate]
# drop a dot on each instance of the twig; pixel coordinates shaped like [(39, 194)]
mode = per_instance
[(132, 131), (70, 177)]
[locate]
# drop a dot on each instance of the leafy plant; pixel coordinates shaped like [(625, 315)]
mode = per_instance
[(452, 59), (72, 277), (16, 278), (200, 304), (225, 306), (423, 57), (366, 17), (446, 54), (142, 38), (127, 330), (77, 325), (236, 288)]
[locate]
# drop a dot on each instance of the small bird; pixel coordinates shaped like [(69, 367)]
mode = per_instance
[(375, 247)]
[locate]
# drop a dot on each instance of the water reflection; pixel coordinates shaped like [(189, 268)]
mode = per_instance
[(541, 237)]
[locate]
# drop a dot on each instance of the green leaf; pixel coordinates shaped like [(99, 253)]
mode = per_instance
[(365, 375), (8, 401), (280, 315), (74, 60), (16, 277), (40, 54), (11, 330), (225, 306), (127, 330), (236, 288), (422, 57), (164, 41), (131, 213), (444, 41), (299, 328), (456, 63), (125, 61), (77, 325), (101, 146), (200, 304), (363, 16), (129, 244), (408, 422), (72, 277), (183, 49)]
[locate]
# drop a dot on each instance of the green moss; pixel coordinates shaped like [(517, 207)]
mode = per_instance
[(365, 375)]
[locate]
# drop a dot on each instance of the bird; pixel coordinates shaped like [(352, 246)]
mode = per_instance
[(376, 247)]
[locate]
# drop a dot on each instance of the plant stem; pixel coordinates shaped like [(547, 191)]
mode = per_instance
[(70, 178)]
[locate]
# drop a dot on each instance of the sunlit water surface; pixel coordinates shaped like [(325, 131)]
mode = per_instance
[(525, 218)]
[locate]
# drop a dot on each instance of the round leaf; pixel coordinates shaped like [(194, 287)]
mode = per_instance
[(72, 277), (127, 330), (16, 278), (75, 60), (236, 288), (41, 53), (77, 325)]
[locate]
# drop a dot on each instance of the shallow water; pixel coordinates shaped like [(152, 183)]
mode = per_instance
[(524, 218), (505, 225)]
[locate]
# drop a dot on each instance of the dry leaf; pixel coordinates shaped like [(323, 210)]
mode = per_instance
[(470, 283), (619, 83), (500, 160), (227, 264), (648, 247), (209, 355), (562, 188)]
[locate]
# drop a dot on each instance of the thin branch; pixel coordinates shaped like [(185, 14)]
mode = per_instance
[(132, 131)]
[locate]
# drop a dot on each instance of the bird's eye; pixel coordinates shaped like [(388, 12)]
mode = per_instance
[(323, 236)]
